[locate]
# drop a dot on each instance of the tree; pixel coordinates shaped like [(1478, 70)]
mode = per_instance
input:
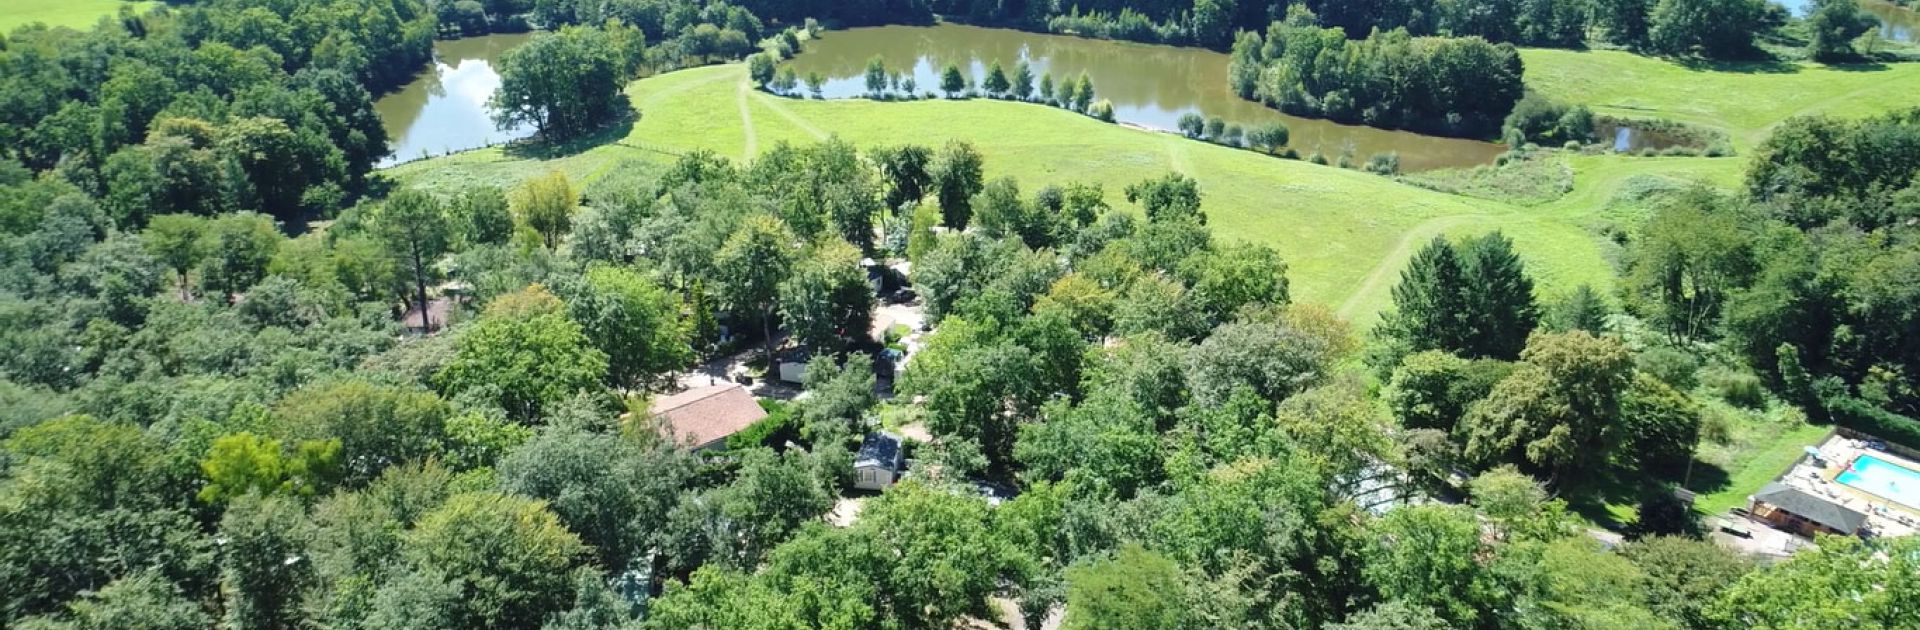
[(243, 463), (237, 250), (481, 217), (563, 83), (546, 204), (415, 232), (1502, 311), (876, 76), (826, 302), (263, 568), (1625, 21), (1000, 212), (750, 267), (905, 169), (632, 319), (1690, 256), (1833, 26), (738, 525), (612, 491), (1686, 577), (1429, 556), (178, 241), (1559, 411), (1393, 615), (377, 426), (510, 559), (142, 600), (952, 82), (958, 175), (760, 68), (1046, 88), (1236, 277), (1270, 137), (941, 557), (1134, 589), (1433, 389), (1192, 125), (1023, 81), (1276, 361), (1717, 29), (1083, 93), (523, 364), (1431, 303), (996, 83), (1171, 197), (1843, 581), (1582, 309)]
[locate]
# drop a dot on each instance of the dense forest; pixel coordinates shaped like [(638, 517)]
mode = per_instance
[(218, 410)]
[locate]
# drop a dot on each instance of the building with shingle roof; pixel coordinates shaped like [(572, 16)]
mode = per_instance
[(1804, 513), (706, 416)]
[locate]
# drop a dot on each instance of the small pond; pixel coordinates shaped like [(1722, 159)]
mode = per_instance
[(445, 109), (1150, 86)]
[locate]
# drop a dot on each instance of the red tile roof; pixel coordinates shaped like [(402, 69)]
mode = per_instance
[(708, 415)]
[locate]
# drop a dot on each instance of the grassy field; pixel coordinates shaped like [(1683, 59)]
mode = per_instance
[(1345, 234), (78, 14), (1745, 100)]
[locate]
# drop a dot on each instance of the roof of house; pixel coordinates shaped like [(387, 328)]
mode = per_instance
[(879, 449), (708, 414), (1811, 507)]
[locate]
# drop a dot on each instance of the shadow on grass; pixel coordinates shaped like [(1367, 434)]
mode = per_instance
[(1742, 66), (542, 148)]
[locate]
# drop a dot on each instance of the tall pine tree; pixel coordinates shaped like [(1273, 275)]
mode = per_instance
[(1473, 300), (1502, 311), (1430, 303)]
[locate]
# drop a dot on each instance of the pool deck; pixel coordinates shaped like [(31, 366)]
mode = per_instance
[(1885, 517)]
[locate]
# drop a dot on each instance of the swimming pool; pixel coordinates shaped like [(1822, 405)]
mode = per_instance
[(1883, 479)]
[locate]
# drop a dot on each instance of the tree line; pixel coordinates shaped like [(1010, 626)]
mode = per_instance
[(1450, 86)]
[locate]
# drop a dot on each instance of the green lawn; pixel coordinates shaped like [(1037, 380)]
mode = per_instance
[(1758, 448), (79, 14), (1745, 100), (1345, 234)]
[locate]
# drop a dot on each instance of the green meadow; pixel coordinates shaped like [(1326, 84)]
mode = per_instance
[(78, 14), (1744, 99), (1344, 233)]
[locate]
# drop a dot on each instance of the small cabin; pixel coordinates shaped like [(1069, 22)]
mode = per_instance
[(881, 459)]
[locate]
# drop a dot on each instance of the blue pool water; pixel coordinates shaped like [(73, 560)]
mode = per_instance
[(1883, 478)]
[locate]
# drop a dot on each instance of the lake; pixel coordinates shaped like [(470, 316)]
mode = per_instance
[(1896, 22), (1149, 85), (445, 109)]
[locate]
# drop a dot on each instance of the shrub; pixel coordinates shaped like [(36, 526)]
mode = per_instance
[(1101, 109), (1387, 163), (1738, 388)]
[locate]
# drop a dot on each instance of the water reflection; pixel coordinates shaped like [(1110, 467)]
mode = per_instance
[(445, 109), (1151, 86)]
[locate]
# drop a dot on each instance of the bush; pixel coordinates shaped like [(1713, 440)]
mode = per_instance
[(1672, 366), (1738, 388), (1384, 163), (1317, 158), (779, 427), (1192, 125), (1101, 109), (1545, 121)]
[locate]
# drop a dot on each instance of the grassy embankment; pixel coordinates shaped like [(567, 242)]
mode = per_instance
[(79, 14)]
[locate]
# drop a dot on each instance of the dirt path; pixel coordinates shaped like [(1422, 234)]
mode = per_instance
[(1390, 264), (746, 125)]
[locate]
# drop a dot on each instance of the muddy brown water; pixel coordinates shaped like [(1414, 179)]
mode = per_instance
[(444, 110), (1150, 86)]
